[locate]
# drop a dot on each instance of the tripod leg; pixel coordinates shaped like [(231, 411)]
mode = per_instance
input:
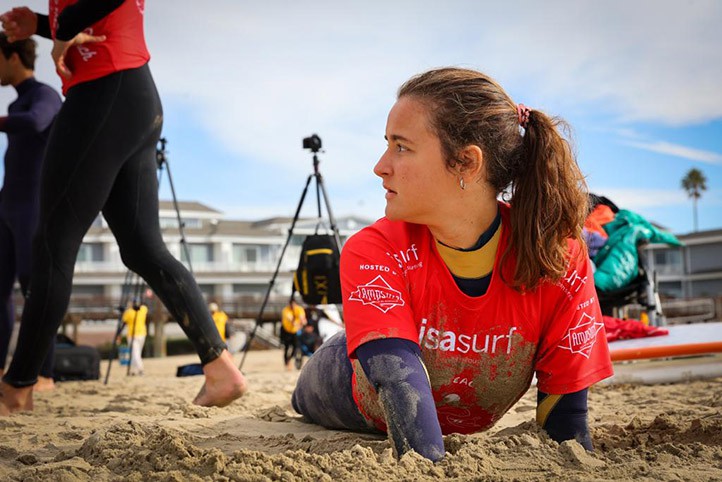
[(259, 319), (248, 345), (298, 352), (334, 227), (183, 242), (119, 328), (114, 351)]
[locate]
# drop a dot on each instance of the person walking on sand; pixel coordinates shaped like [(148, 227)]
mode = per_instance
[(101, 157)]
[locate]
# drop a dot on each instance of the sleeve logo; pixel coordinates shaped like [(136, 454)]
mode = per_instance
[(379, 294), (581, 338)]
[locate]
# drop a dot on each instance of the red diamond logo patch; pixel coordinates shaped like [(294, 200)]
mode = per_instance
[(581, 338), (379, 294)]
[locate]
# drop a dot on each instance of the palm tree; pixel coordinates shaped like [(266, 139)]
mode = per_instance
[(694, 183)]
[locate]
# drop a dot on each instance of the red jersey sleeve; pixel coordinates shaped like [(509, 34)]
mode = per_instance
[(573, 352), (375, 291)]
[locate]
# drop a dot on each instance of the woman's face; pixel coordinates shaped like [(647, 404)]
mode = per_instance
[(417, 182)]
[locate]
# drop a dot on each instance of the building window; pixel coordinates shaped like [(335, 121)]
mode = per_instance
[(671, 289), (199, 253), (668, 261), (705, 258), (172, 223), (249, 289), (88, 291), (208, 290), (244, 253), (90, 252)]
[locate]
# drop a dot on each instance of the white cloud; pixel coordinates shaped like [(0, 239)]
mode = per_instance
[(260, 76), (677, 150), (639, 198), (266, 75), (277, 65)]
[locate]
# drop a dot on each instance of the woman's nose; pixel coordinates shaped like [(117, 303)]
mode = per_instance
[(382, 166)]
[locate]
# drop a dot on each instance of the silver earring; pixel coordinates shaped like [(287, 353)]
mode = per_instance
[(462, 183)]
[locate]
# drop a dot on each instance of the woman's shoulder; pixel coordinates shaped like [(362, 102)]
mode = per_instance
[(388, 232)]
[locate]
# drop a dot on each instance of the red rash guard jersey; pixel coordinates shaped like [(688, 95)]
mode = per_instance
[(482, 352), (124, 47)]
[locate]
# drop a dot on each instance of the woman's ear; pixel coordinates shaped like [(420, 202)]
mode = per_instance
[(471, 163)]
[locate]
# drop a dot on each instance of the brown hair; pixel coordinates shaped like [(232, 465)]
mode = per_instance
[(536, 169), (24, 48)]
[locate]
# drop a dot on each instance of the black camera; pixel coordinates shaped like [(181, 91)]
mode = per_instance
[(313, 143)]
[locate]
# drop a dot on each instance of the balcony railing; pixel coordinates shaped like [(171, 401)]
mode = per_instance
[(90, 267), (669, 269), (98, 307)]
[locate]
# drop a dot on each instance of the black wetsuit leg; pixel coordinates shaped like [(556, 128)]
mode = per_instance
[(101, 155), (17, 226), (7, 280)]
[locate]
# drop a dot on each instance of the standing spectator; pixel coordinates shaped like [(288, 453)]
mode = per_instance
[(27, 126), (293, 318), (220, 318), (134, 317)]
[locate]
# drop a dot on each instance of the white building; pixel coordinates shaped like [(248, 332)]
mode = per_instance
[(691, 270)]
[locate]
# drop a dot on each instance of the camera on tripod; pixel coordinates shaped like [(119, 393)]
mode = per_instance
[(313, 142)]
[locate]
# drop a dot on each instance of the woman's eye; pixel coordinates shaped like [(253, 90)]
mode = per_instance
[(400, 148)]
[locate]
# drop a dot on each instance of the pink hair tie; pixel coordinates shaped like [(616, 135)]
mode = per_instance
[(523, 113)]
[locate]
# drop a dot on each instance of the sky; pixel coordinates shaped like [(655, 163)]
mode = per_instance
[(242, 83)]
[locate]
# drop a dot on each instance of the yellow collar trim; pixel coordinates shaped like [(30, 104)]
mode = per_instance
[(471, 264)]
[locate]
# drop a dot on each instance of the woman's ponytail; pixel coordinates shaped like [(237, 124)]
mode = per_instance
[(549, 201)]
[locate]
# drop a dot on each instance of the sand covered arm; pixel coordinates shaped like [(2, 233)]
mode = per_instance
[(395, 368)]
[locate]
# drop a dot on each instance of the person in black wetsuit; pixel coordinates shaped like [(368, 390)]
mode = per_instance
[(101, 156), (27, 126)]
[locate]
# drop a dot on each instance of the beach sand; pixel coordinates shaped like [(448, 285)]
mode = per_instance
[(145, 428)]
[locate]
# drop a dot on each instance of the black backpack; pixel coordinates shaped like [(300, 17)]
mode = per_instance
[(317, 277), (75, 362)]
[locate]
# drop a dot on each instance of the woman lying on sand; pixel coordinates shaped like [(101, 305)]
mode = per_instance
[(455, 300)]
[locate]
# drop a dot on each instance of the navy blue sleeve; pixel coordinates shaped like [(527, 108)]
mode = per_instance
[(45, 106), (395, 369), (77, 17), (564, 417)]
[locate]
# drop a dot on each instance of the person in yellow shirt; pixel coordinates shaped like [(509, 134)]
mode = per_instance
[(135, 317), (293, 318), (220, 318)]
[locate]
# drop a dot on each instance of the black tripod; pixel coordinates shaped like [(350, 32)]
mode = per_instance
[(162, 160), (133, 288), (314, 144), (134, 284)]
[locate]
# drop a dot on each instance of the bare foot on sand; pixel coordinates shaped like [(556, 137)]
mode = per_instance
[(15, 399), (224, 382), (45, 384)]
